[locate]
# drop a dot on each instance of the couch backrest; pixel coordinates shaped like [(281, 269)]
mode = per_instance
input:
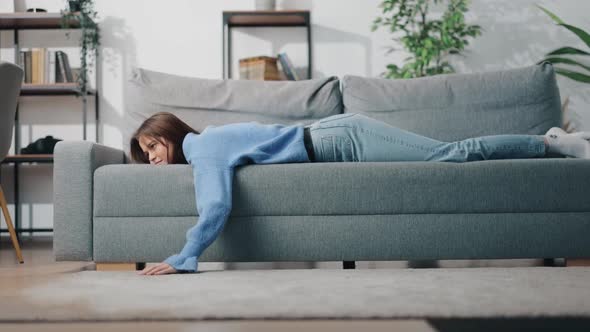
[(203, 102), (457, 106)]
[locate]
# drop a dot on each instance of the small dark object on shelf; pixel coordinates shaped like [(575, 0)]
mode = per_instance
[(41, 146), (36, 10), (74, 5)]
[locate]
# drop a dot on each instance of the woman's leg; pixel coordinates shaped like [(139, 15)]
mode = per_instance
[(491, 147), (355, 137)]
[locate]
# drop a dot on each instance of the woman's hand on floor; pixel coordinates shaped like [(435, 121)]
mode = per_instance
[(162, 268)]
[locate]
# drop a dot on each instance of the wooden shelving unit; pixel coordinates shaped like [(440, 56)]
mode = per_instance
[(263, 18), (29, 158), (40, 21), (33, 21), (57, 89)]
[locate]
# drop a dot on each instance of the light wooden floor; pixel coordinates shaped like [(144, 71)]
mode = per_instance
[(40, 267)]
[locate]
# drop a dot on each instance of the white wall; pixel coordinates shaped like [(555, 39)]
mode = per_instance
[(184, 37)]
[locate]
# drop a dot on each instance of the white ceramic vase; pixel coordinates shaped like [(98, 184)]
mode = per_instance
[(6, 6), (265, 4), (23, 5)]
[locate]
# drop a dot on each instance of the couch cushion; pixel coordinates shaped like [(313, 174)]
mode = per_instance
[(351, 237), (203, 102), (491, 186), (457, 106)]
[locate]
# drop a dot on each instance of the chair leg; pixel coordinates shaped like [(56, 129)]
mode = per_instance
[(10, 227)]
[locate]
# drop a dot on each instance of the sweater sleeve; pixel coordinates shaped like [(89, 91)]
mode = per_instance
[(213, 191)]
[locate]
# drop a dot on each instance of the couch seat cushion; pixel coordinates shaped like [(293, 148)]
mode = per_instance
[(370, 188)]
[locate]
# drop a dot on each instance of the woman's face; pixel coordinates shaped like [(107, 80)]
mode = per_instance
[(158, 153)]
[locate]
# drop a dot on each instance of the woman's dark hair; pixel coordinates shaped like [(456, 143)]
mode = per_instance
[(161, 125)]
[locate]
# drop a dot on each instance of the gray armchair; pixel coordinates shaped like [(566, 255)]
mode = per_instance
[(11, 77)]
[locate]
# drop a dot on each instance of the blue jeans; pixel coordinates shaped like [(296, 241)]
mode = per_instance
[(353, 137)]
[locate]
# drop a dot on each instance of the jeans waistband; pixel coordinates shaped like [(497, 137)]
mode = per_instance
[(308, 143)]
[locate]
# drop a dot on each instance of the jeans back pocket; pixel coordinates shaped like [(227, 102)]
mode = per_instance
[(336, 149)]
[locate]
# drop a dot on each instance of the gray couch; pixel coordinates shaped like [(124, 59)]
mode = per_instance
[(110, 211)]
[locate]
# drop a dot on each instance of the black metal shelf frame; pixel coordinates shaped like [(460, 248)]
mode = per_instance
[(45, 91)]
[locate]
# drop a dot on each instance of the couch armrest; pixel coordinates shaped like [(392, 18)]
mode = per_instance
[(73, 174)]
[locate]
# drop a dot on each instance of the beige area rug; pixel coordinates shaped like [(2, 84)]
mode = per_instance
[(306, 293)]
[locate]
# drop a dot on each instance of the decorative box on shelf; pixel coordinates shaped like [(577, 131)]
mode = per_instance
[(260, 68)]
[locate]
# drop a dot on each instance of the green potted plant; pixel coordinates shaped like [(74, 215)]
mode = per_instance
[(83, 12), (563, 56), (430, 41)]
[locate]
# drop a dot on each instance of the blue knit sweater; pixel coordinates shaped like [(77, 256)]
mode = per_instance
[(213, 155)]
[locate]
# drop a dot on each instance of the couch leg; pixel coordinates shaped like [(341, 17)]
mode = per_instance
[(348, 265), (554, 262), (577, 262), (118, 266)]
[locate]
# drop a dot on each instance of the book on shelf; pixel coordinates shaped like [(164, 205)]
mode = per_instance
[(41, 67), (45, 66), (64, 67), (35, 68), (259, 68), (287, 67), (51, 68), (60, 71)]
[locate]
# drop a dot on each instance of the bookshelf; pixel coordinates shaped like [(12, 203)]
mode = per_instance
[(263, 18), (33, 21), (40, 21), (28, 158), (57, 89)]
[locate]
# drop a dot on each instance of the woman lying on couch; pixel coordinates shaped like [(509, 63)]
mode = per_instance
[(165, 139)]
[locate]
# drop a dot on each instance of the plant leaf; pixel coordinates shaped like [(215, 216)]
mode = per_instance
[(568, 50), (553, 16), (573, 75), (579, 32), (565, 60)]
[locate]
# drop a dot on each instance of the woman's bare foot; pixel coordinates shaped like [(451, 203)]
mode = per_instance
[(560, 132)]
